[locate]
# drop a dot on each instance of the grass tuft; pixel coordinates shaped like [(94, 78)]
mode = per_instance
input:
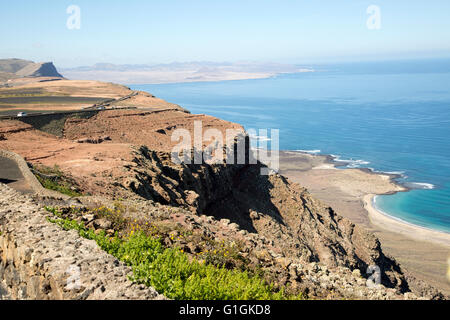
[(171, 271), (54, 179)]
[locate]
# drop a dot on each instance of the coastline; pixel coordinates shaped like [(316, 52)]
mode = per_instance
[(350, 191), (375, 215), (385, 221), (175, 77)]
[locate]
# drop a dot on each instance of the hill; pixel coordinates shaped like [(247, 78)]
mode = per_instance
[(13, 65), (44, 69), (18, 68), (224, 214), (218, 215)]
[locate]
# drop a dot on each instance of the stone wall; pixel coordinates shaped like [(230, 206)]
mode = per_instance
[(53, 123), (39, 260)]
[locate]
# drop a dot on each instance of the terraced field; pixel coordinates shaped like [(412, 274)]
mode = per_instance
[(56, 96), (25, 100), (72, 95)]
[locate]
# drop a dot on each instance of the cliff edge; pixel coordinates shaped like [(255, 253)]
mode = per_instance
[(122, 159), (18, 68)]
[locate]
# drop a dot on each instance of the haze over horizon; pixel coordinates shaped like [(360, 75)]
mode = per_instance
[(153, 32), (239, 150)]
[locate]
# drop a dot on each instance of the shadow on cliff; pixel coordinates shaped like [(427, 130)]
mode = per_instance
[(248, 199), (296, 223)]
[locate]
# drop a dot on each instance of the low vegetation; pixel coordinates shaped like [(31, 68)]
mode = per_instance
[(54, 179), (170, 270)]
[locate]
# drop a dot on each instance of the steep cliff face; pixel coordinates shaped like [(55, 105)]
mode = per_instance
[(300, 226), (44, 69), (15, 68)]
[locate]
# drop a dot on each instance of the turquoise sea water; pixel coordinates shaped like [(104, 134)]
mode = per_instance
[(388, 116)]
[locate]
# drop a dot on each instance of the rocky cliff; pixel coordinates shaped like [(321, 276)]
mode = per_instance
[(16, 68), (44, 69), (282, 229), (302, 227)]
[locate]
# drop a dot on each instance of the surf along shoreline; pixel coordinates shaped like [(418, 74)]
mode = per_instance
[(389, 221), (350, 192), (376, 216)]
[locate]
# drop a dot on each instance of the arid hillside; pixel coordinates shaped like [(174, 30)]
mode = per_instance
[(43, 95), (124, 155), (14, 68)]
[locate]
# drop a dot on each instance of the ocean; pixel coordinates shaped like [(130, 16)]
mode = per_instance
[(389, 116)]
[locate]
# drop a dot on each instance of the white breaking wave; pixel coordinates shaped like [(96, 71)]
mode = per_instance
[(420, 185), (401, 174), (308, 151), (350, 162), (357, 163)]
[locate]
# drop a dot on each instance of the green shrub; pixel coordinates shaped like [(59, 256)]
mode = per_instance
[(56, 181), (172, 272)]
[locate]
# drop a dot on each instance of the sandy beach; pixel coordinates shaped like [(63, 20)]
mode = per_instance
[(422, 252), (384, 221)]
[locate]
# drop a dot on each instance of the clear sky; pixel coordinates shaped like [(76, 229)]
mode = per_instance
[(162, 31)]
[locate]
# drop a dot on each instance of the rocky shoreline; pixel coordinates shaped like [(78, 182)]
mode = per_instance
[(427, 234), (348, 191)]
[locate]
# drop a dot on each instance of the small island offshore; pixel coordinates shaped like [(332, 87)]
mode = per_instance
[(93, 207)]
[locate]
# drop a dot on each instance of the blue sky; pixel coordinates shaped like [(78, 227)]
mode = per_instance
[(162, 31)]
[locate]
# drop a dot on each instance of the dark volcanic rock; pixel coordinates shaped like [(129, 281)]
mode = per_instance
[(25, 68), (284, 213)]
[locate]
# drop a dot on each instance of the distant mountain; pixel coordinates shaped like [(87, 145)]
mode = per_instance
[(179, 72), (18, 68), (45, 69), (13, 65)]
